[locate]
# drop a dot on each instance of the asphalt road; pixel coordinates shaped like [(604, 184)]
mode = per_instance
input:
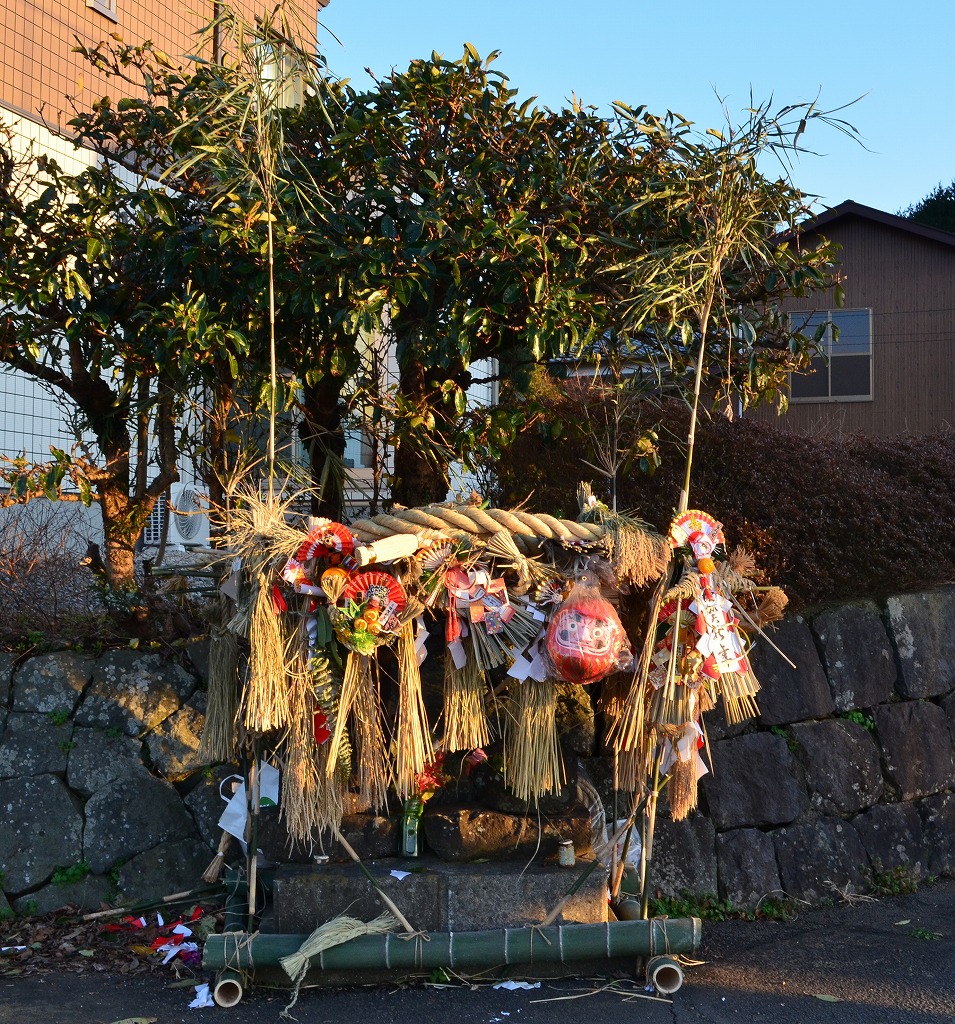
[(885, 962)]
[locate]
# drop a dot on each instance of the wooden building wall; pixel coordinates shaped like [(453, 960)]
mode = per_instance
[(909, 283)]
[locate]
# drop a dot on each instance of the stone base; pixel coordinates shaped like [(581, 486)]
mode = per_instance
[(435, 895)]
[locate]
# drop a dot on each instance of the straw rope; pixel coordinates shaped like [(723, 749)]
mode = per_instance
[(433, 522)]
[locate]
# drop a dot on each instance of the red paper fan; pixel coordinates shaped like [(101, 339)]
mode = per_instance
[(386, 588), (326, 538)]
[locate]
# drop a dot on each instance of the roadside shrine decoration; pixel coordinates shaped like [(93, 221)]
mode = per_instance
[(319, 662)]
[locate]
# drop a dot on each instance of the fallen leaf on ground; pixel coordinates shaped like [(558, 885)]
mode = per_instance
[(828, 999)]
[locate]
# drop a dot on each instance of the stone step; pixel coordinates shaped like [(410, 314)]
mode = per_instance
[(435, 895)]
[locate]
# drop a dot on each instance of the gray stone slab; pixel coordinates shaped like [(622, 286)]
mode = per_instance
[(89, 893), (856, 654), (370, 835), (134, 814), (922, 627), (684, 856), (51, 682), (821, 860), (841, 762), (33, 745), (98, 758), (42, 831), (474, 833), (746, 866), (486, 896), (791, 694), (938, 833), (754, 783), (134, 692), (304, 897), (947, 704), (916, 747), (168, 868), (174, 744), (436, 896), (7, 662), (206, 805), (892, 837)]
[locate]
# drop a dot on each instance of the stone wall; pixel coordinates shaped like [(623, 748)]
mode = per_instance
[(848, 772), (102, 793)]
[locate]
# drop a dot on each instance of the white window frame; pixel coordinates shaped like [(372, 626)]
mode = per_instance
[(108, 8), (831, 353)]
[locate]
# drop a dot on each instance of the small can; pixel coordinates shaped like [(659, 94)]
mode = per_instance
[(566, 855)]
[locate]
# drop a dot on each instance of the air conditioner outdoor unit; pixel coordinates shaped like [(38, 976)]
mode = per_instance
[(188, 524), (188, 518)]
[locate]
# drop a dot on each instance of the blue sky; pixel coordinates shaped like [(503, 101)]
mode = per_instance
[(685, 56)]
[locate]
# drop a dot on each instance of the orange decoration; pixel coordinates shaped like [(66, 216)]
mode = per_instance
[(705, 565)]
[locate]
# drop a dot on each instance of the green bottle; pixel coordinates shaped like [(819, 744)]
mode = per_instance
[(411, 827)]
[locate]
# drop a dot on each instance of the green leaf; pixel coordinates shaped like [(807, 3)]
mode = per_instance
[(93, 248), (165, 211)]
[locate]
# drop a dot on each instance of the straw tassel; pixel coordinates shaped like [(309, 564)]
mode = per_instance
[(414, 748), (266, 698), (218, 741), (533, 763), (465, 719)]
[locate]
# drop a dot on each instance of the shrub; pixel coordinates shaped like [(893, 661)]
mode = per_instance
[(829, 519)]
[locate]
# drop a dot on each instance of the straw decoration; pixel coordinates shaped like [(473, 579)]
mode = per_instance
[(533, 765), (265, 703), (465, 718), (361, 704), (413, 746), (219, 741)]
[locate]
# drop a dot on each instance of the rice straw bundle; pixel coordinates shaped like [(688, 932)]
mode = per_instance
[(361, 704), (414, 748), (265, 703), (332, 933), (682, 789), (219, 740), (492, 650), (465, 718), (533, 764), (311, 799), (637, 554), (739, 690)]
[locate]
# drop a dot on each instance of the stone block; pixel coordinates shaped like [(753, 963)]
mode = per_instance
[(98, 759), (198, 653), (371, 836), (33, 745), (718, 728), (841, 762), (790, 694), (174, 745), (483, 896), (134, 692), (170, 867), (7, 662), (684, 856), (89, 893), (938, 833), (947, 704), (892, 837), (922, 627), (134, 814), (820, 860), (746, 867), (51, 682), (754, 783), (436, 896), (916, 747), (303, 897), (42, 831), (472, 833), (575, 718), (856, 655), (206, 805)]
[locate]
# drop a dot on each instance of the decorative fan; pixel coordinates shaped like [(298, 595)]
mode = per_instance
[(380, 587), (326, 538)]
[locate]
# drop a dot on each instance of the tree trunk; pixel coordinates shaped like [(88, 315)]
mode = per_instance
[(421, 468), (324, 439)]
